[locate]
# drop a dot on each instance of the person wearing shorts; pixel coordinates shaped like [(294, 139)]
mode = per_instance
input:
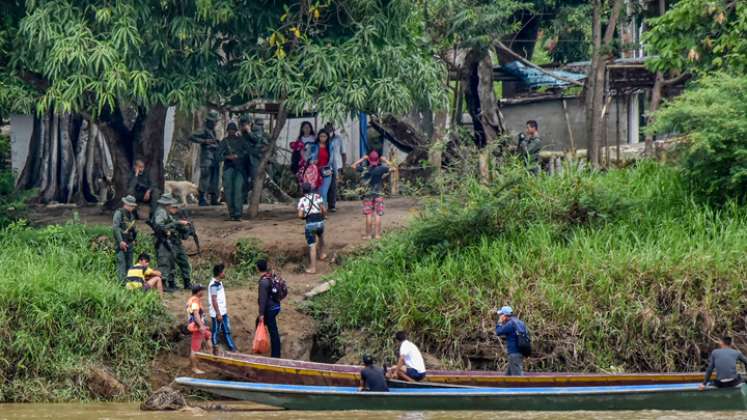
[(196, 325), (373, 201), (142, 277), (311, 208)]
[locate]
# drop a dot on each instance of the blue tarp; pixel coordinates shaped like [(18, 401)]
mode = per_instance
[(534, 78)]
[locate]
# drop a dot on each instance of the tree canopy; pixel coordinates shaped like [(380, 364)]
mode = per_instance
[(335, 56), (700, 35)]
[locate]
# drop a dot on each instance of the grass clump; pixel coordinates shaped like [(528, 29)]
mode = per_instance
[(609, 269), (63, 312)]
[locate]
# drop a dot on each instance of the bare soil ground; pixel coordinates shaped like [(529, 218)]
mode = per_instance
[(281, 235)]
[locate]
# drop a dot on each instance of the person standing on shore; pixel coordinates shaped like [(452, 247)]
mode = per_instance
[(337, 163), (373, 200), (169, 249), (529, 147), (410, 365), (269, 305), (123, 228), (209, 164), (311, 209), (196, 325), (724, 361), (233, 151), (511, 327), (218, 309)]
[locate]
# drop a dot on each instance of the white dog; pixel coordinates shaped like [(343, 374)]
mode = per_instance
[(183, 189)]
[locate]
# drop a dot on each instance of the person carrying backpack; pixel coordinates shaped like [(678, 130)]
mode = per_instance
[(272, 289), (311, 208), (518, 344)]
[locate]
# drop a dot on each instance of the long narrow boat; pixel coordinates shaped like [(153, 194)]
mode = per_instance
[(252, 368), (597, 398)]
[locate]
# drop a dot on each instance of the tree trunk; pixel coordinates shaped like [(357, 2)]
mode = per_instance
[(150, 143), (81, 152), (49, 189), (487, 120), (30, 175), (259, 181), (656, 95), (180, 165), (595, 88)]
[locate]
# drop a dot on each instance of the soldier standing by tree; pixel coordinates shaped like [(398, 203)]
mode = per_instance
[(253, 135), (123, 225), (234, 151), (169, 233), (140, 187), (209, 164)]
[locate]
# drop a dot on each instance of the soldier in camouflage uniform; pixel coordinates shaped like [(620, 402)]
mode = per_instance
[(169, 235), (253, 134), (209, 164), (140, 187), (234, 151), (123, 226)]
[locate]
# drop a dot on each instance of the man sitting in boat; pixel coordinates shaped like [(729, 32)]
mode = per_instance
[(724, 361), (372, 378), (410, 366)]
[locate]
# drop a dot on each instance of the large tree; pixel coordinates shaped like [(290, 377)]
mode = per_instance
[(122, 63)]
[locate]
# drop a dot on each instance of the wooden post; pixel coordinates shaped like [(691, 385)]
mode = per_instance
[(570, 129), (393, 173)]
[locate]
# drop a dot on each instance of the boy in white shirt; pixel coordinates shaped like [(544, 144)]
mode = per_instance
[(218, 309), (311, 209), (410, 366)]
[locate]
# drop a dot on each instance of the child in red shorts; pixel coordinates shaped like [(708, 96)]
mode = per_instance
[(373, 201), (196, 325)]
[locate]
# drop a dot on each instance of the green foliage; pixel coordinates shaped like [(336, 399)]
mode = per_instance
[(248, 252), (62, 313), (12, 203), (713, 116), (569, 32), (699, 35), (619, 268), (336, 56)]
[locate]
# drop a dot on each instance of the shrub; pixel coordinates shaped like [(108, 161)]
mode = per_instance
[(620, 268), (62, 312), (713, 116)]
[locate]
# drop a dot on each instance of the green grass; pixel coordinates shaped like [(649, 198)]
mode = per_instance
[(617, 269), (61, 311)]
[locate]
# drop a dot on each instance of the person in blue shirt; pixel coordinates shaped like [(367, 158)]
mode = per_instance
[(509, 327)]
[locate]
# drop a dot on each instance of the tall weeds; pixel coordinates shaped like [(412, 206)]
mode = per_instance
[(619, 269), (61, 313)]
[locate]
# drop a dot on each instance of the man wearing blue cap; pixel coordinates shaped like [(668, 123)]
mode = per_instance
[(511, 328)]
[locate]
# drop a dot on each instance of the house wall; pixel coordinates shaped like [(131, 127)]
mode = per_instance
[(552, 124)]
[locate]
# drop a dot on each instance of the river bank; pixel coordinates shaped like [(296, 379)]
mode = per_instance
[(278, 234)]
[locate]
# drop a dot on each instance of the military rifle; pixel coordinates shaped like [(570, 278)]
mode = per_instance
[(190, 230)]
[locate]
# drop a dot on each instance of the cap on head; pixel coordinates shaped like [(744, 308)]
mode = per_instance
[(506, 310), (167, 200), (213, 115), (129, 201), (232, 126), (373, 158), (367, 360), (197, 288)]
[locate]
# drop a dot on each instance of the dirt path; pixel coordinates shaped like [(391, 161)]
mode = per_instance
[(281, 236)]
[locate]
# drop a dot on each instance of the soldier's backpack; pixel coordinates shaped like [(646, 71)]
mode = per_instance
[(523, 342), (279, 289)]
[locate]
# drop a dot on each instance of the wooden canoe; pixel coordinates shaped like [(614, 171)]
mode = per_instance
[(253, 368), (594, 398)]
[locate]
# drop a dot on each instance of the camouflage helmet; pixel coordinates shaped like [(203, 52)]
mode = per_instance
[(213, 115), (246, 119)]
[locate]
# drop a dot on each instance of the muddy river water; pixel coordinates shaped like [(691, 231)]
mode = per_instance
[(107, 411)]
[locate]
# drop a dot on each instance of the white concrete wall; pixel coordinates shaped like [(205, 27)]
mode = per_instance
[(21, 127)]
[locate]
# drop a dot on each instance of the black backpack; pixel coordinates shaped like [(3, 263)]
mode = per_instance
[(278, 289), (523, 342)]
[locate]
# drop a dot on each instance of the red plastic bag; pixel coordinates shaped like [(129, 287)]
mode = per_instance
[(261, 343)]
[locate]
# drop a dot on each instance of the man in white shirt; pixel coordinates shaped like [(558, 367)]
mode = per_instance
[(218, 309), (337, 162), (410, 366), (311, 209)]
